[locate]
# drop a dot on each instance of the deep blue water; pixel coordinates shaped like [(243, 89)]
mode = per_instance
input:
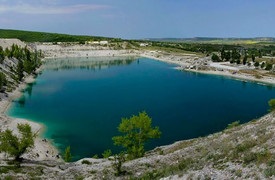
[(82, 101)]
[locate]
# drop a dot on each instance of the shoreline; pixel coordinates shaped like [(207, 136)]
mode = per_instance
[(240, 77), (45, 148), (265, 80)]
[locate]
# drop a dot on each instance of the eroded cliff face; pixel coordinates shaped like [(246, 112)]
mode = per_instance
[(245, 151)]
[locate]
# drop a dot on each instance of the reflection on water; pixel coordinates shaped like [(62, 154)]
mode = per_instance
[(21, 101), (96, 63), (29, 88)]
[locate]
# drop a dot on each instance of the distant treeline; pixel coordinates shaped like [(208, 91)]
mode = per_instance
[(262, 50), (29, 36)]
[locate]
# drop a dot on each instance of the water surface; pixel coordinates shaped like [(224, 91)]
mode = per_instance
[(81, 101)]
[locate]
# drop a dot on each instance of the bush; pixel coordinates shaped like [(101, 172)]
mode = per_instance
[(256, 64), (271, 104), (3, 80), (137, 130), (14, 145), (268, 67), (67, 154), (215, 58), (233, 124), (107, 153)]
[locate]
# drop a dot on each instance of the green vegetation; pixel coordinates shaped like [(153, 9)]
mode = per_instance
[(15, 146), (67, 154), (29, 36), (233, 124), (271, 104), (26, 62), (3, 80), (137, 130), (215, 58), (107, 153)]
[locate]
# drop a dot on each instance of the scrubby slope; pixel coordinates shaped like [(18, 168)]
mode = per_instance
[(242, 152)]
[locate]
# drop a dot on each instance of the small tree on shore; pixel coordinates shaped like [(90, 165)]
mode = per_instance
[(137, 130), (271, 104), (16, 146), (67, 154)]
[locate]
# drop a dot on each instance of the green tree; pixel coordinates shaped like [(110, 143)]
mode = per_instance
[(137, 130), (2, 54), (271, 104), (245, 60), (260, 54), (253, 57), (235, 55), (20, 70), (227, 55), (268, 67), (15, 146), (222, 54), (215, 58), (67, 154), (3, 80), (256, 64)]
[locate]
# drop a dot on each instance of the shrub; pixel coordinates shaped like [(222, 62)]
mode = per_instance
[(268, 67), (67, 154), (233, 124), (271, 104), (14, 145), (215, 58), (256, 64), (107, 153)]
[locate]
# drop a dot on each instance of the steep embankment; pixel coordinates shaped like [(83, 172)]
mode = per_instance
[(242, 152), (16, 78)]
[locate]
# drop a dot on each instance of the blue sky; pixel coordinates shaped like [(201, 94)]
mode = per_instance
[(134, 19)]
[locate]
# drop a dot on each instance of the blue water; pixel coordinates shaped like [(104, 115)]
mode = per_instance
[(82, 101)]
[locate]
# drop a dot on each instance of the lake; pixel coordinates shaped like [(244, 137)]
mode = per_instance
[(81, 101)]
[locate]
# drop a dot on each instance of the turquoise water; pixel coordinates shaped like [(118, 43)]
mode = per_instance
[(81, 101)]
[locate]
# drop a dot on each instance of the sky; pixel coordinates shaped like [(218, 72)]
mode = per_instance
[(139, 19)]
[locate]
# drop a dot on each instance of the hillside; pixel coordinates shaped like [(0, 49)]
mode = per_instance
[(209, 40), (30, 36)]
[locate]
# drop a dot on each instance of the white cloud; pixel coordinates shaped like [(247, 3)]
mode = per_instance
[(49, 9)]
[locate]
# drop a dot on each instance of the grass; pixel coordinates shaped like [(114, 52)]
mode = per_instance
[(233, 124)]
